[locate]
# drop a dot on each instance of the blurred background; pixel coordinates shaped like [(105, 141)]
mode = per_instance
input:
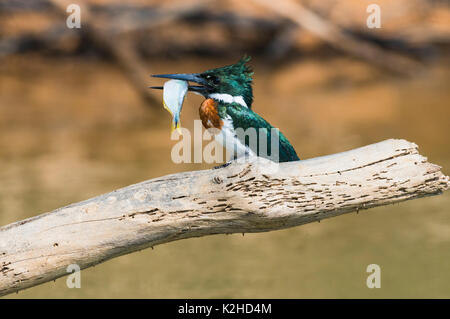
[(77, 120)]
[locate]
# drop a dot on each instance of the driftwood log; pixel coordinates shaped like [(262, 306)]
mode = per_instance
[(248, 197)]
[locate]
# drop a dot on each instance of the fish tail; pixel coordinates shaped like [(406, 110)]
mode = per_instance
[(176, 124)]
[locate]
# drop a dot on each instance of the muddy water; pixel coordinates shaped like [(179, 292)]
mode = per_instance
[(71, 129)]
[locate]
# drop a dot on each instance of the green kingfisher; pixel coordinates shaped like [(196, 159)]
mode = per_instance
[(228, 107)]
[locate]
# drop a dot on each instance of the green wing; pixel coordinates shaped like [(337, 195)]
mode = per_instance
[(245, 118)]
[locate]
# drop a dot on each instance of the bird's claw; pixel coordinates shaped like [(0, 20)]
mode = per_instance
[(223, 165)]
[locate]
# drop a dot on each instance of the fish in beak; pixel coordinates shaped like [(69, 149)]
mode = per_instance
[(173, 98), (174, 91)]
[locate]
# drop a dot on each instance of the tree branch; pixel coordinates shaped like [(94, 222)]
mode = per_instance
[(341, 40), (249, 197)]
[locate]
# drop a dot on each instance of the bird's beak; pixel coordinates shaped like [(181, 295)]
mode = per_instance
[(193, 88), (192, 77)]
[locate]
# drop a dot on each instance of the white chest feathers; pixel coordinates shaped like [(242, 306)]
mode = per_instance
[(228, 138), (227, 98)]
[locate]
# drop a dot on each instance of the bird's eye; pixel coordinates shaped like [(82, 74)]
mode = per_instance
[(213, 79)]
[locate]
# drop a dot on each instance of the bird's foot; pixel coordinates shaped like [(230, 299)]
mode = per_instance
[(223, 165)]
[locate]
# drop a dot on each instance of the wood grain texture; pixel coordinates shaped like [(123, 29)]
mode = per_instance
[(244, 197)]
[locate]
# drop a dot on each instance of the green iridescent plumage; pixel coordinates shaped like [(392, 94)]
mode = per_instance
[(236, 80), (245, 118)]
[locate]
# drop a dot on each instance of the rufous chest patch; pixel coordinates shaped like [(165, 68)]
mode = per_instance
[(209, 114)]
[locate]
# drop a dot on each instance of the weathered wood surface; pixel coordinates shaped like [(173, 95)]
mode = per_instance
[(248, 197)]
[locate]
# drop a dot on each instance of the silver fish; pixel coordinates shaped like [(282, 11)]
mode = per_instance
[(173, 98)]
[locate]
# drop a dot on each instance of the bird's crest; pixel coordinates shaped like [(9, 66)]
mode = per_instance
[(235, 79), (239, 70)]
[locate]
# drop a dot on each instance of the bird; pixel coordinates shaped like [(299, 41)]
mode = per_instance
[(227, 109)]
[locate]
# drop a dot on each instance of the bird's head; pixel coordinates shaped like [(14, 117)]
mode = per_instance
[(228, 83)]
